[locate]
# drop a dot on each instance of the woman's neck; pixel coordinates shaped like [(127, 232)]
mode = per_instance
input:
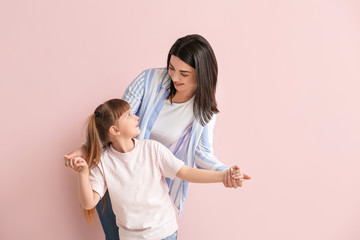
[(181, 97), (123, 145)]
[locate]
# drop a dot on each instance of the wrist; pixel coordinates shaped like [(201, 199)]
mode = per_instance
[(84, 172), (223, 175)]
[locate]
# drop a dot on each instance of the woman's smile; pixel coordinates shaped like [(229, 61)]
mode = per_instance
[(178, 84)]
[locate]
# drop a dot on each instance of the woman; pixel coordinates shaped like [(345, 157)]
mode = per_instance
[(176, 106)]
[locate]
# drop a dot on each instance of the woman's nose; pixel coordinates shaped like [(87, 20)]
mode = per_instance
[(176, 77)]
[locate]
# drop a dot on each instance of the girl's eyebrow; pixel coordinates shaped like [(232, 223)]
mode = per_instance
[(125, 113), (183, 71)]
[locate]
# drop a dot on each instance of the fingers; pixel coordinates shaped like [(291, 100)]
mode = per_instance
[(76, 163), (80, 152), (233, 181), (234, 177), (235, 167), (225, 179), (239, 182), (237, 174), (247, 177), (71, 155), (237, 177), (228, 179)]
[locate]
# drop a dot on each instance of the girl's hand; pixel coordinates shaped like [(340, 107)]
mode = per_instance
[(234, 177), (80, 152), (78, 164)]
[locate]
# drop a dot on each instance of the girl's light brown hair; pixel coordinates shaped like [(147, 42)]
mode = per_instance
[(97, 137)]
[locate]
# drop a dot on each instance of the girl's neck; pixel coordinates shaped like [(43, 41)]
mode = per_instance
[(123, 145)]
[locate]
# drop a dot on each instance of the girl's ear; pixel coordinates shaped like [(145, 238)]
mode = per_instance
[(113, 130)]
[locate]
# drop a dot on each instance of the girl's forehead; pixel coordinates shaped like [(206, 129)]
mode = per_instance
[(126, 112)]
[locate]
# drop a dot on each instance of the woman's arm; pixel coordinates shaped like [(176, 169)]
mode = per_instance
[(79, 152), (206, 159), (135, 91), (204, 153)]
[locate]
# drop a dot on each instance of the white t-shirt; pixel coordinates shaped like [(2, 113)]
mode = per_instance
[(138, 190), (172, 121)]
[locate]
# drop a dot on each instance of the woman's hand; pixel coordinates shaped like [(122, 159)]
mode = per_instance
[(78, 164), (234, 177), (80, 152)]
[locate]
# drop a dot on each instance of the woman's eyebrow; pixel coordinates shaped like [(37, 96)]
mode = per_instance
[(183, 71)]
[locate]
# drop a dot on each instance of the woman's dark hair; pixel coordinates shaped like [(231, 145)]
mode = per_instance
[(196, 51), (99, 123)]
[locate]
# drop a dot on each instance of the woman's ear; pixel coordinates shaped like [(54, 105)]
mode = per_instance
[(113, 130)]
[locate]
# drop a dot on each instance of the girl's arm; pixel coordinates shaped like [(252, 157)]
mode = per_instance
[(200, 175), (87, 197), (208, 176)]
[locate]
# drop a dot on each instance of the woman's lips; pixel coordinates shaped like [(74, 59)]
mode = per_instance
[(178, 84)]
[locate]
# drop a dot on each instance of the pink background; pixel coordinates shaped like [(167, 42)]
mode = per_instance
[(288, 94)]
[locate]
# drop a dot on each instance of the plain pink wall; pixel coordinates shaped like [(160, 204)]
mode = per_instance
[(288, 93)]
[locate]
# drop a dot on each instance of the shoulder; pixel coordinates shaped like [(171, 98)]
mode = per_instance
[(156, 76)]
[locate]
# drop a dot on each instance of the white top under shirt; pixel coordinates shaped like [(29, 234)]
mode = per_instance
[(138, 190), (172, 121)]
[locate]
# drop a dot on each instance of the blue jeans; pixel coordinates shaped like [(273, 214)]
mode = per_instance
[(171, 237), (107, 219)]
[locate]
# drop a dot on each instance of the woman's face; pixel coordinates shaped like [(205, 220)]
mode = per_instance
[(182, 75)]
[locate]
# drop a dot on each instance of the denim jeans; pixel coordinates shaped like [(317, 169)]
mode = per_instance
[(171, 237), (107, 219)]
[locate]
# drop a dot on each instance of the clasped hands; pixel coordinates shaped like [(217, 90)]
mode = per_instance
[(234, 177)]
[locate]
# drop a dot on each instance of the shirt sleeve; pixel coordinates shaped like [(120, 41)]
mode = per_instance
[(135, 91), (204, 153), (169, 165), (97, 180)]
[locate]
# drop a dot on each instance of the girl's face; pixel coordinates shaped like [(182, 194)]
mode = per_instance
[(182, 75), (128, 124)]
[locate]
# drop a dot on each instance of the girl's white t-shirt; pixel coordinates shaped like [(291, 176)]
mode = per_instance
[(172, 121), (138, 190)]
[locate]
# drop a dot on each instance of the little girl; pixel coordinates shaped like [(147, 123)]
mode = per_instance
[(134, 172)]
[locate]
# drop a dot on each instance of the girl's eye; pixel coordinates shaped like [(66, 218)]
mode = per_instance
[(184, 75)]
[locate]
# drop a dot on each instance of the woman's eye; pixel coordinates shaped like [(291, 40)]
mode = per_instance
[(184, 75)]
